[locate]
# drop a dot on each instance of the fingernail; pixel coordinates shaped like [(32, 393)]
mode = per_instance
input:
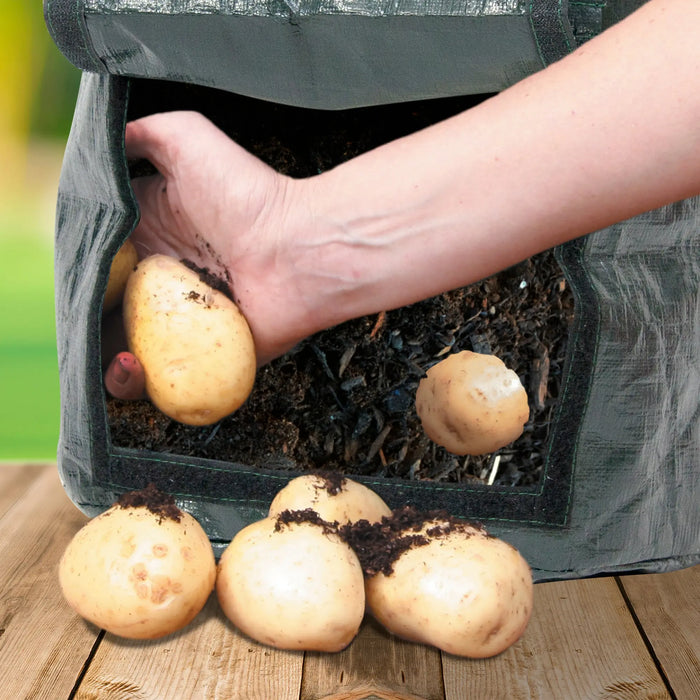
[(124, 378), (120, 373)]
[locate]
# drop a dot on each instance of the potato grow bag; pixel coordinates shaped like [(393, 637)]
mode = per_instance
[(619, 489)]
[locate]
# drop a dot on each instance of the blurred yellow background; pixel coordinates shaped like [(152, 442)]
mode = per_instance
[(38, 88)]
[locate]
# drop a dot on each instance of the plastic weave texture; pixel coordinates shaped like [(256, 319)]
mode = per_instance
[(620, 491)]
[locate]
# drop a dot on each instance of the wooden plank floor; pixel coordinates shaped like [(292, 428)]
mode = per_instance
[(622, 637)]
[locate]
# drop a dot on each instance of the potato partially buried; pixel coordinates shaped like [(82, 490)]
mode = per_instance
[(194, 344), (472, 404), (141, 570)]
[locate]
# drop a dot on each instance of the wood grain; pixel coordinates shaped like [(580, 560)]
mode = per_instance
[(206, 660), (581, 643), (43, 644), (375, 665), (15, 479), (668, 608), (625, 638)]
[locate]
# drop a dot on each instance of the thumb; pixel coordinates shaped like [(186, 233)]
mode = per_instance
[(125, 378)]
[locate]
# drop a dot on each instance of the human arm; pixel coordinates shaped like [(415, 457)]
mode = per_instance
[(606, 133), (610, 131)]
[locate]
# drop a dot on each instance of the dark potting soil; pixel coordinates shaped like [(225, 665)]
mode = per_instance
[(343, 400), (378, 545), (156, 501)]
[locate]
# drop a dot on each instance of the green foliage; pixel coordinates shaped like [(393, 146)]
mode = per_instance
[(29, 411), (39, 88)]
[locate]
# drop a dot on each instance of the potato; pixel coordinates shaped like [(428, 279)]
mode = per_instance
[(472, 404), (461, 590), (194, 344), (137, 571), (292, 585), (334, 497), (122, 265)]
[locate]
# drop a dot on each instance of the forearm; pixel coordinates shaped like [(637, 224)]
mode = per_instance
[(608, 132)]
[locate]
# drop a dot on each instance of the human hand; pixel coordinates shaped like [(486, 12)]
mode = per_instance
[(218, 206), (215, 204)]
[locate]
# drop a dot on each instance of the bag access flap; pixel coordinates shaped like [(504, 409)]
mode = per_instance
[(330, 55)]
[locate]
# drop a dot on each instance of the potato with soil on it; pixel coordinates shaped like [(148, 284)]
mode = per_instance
[(141, 570), (334, 497), (292, 583), (472, 404), (194, 344), (122, 266), (454, 587)]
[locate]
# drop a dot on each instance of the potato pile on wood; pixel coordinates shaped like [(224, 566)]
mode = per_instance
[(294, 579), (144, 569)]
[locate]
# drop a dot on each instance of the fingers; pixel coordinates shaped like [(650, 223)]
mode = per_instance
[(183, 142), (152, 138), (192, 157), (168, 138), (125, 378)]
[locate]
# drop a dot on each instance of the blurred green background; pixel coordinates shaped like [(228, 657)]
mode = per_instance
[(39, 88)]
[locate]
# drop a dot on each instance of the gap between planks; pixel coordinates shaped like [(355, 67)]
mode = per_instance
[(666, 610), (43, 643), (581, 642)]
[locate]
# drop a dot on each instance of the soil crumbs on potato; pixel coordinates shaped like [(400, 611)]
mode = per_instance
[(209, 278), (378, 545), (158, 502), (331, 482), (343, 400), (305, 516)]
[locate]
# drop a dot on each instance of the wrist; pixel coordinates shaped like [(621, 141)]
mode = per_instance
[(354, 239)]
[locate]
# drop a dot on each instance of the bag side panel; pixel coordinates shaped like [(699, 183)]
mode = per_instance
[(95, 214)]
